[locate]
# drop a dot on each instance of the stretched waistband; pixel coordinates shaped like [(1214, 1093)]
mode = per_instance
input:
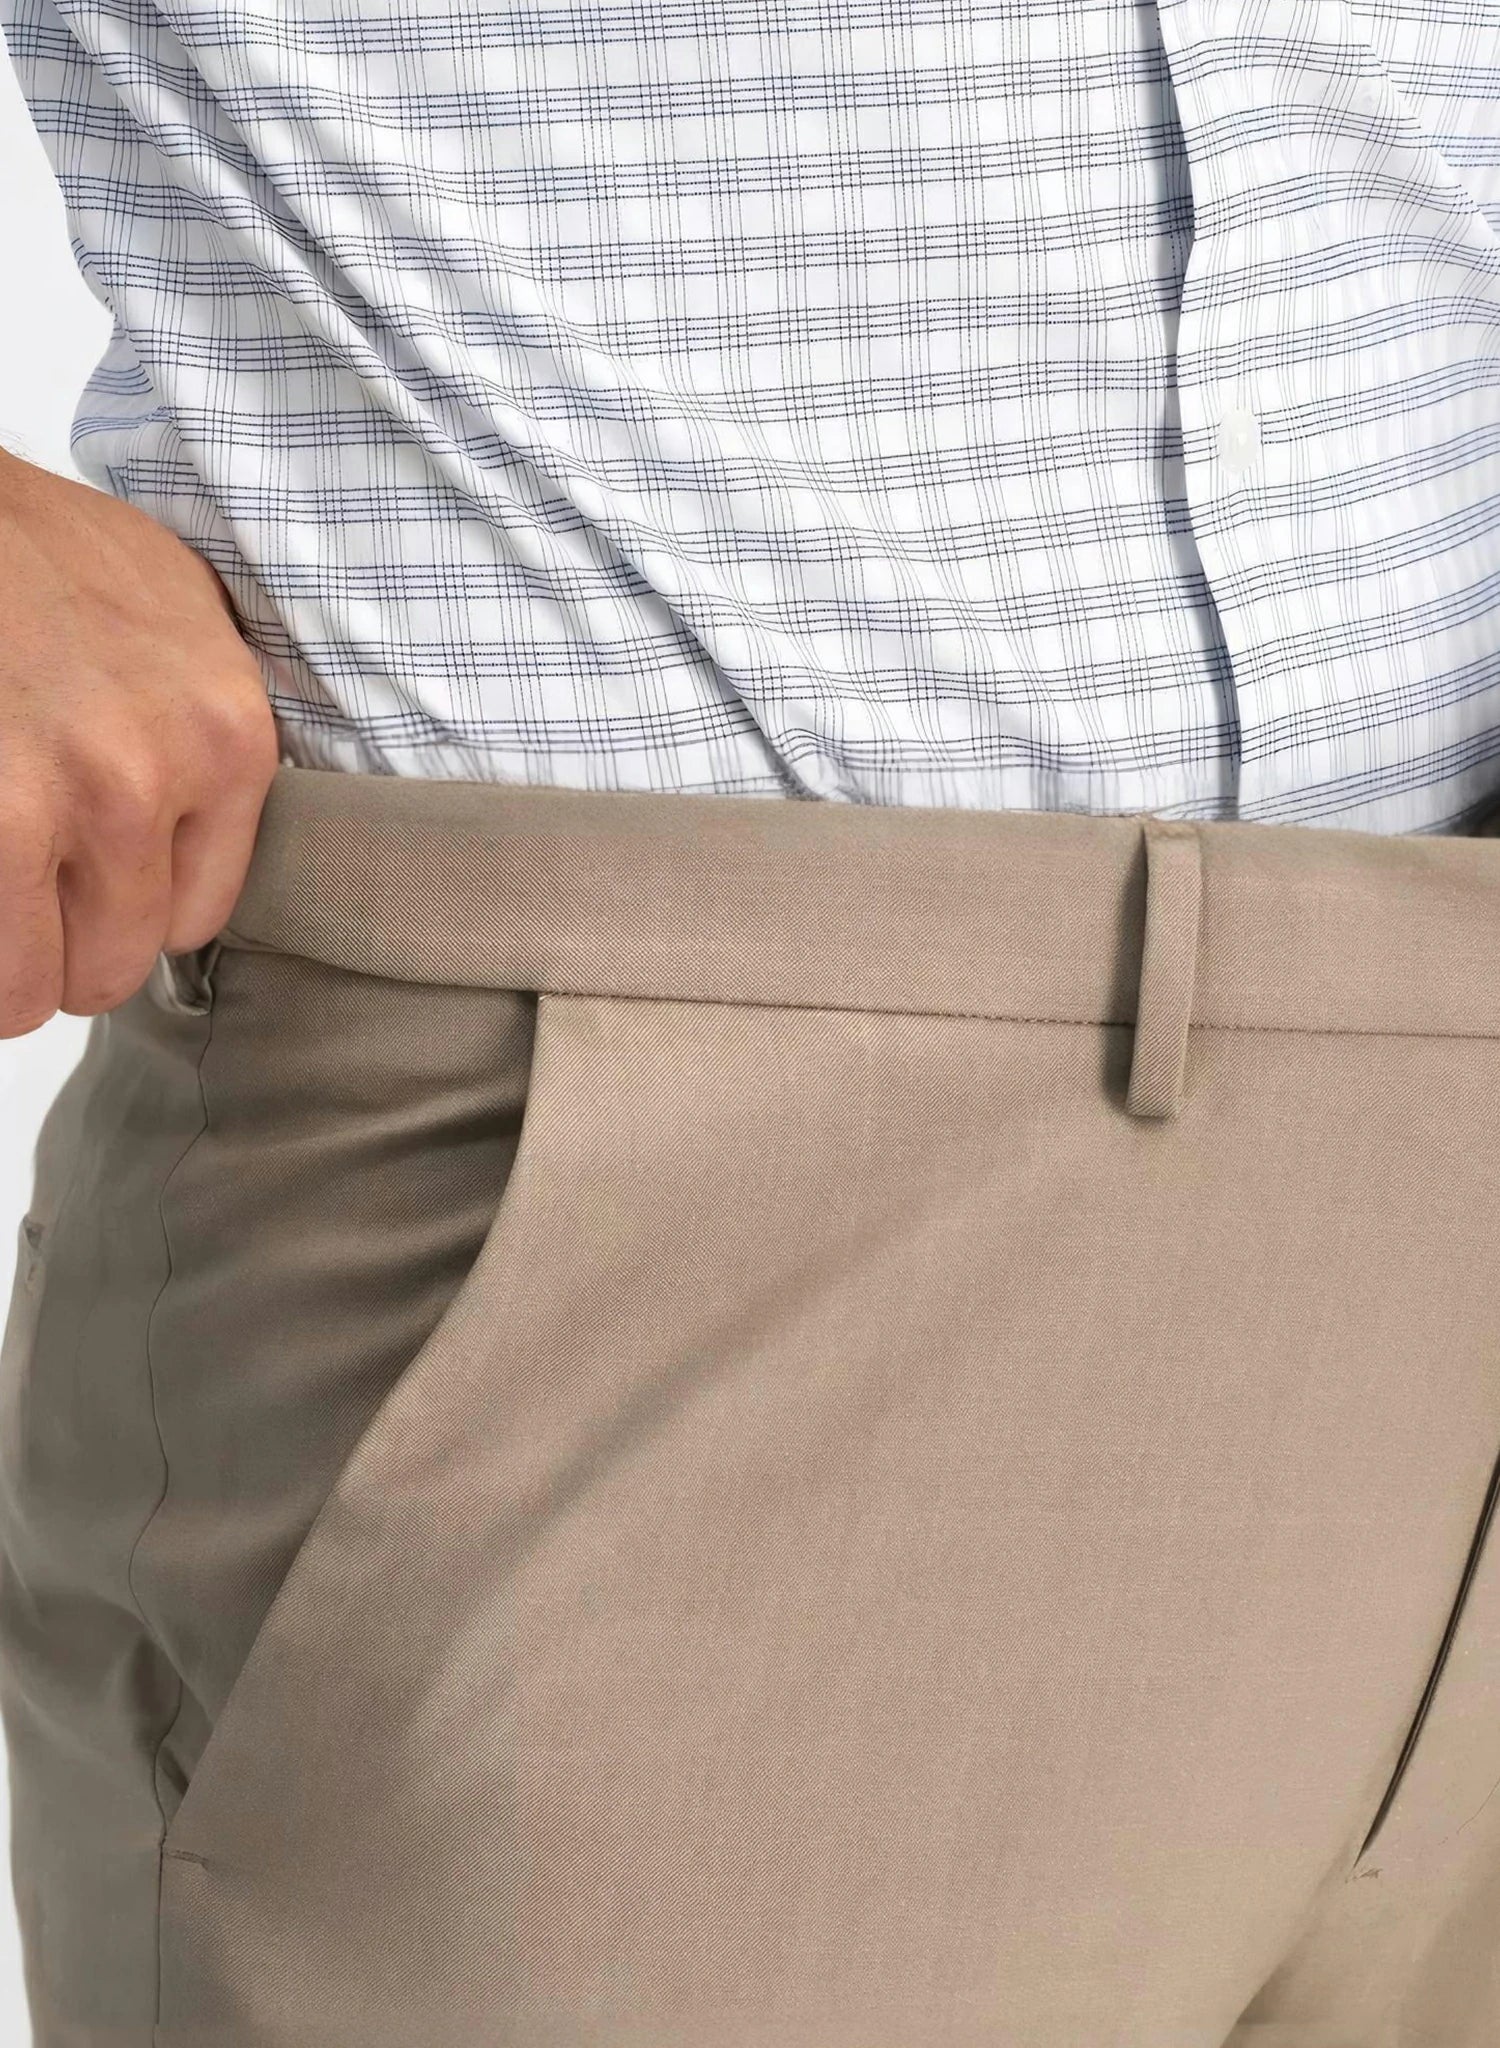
[(1026, 914)]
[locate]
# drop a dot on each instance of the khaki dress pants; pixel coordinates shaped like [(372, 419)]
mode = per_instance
[(655, 1422)]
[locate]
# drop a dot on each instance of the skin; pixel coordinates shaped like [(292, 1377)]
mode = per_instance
[(136, 748)]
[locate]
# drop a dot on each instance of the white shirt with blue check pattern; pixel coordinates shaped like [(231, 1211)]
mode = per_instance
[(1086, 404)]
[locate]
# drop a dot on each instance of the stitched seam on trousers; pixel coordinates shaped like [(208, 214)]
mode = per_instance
[(991, 1016), (595, 995), (156, 1508)]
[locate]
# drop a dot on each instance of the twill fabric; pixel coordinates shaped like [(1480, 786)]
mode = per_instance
[(1085, 405), (803, 1426)]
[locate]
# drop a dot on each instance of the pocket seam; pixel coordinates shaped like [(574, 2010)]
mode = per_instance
[(1484, 1528), (499, 1227)]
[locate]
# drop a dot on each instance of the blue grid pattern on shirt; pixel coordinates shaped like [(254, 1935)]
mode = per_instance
[(824, 398)]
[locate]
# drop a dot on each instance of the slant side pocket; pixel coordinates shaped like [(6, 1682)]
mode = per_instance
[(1449, 1765)]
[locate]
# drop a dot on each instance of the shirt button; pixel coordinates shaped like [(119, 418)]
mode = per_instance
[(1239, 440)]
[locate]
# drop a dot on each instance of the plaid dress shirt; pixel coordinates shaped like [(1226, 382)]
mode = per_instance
[(1056, 404)]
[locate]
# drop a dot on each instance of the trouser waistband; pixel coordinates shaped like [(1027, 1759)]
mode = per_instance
[(1053, 917)]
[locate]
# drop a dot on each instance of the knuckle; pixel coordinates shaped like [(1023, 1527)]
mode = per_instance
[(244, 729), (130, 792)]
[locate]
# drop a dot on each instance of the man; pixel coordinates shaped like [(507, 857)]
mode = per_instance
[(782, 1334)]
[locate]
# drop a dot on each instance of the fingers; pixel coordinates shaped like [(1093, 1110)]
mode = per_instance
[(159, 882), (210, 853), (81, 934), (114, 877), (128, 834), (114, 919), (31, 931), (218, 815)]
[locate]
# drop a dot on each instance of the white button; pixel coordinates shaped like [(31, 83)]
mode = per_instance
[(1239, 440)]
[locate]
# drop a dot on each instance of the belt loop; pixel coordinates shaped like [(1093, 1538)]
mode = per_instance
[(1169, 959)]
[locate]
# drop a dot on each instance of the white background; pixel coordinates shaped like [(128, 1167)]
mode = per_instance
[(52, 333)]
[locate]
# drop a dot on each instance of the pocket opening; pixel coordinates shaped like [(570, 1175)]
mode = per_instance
[(184, 982), (1430, 1690), (213, 1764)]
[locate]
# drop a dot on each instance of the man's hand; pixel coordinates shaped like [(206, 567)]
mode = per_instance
[(136, 748)]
